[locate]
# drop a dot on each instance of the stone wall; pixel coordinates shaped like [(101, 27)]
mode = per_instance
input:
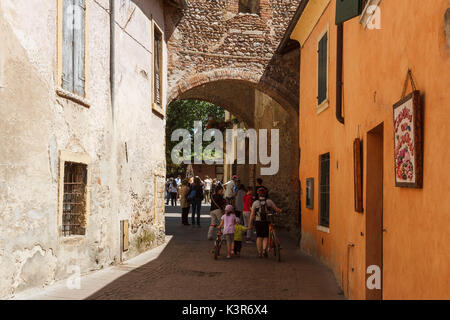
[(211, 41), (284, 186), (140, 148)]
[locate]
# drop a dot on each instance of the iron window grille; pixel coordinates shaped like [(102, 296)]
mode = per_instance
[(325, 190), (74, 199)]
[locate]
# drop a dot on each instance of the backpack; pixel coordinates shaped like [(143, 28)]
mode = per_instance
[(191, 195), (261, 214)]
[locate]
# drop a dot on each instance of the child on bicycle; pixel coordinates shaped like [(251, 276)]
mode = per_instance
[(228, 221), (237, 244)]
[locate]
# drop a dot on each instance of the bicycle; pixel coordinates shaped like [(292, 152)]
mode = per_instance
[(274, 241), (218, 244)]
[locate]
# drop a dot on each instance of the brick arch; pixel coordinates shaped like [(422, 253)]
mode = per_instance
[(226, 104), (270, 87)]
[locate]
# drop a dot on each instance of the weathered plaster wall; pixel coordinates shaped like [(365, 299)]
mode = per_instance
[(141, 149), (36, 124)]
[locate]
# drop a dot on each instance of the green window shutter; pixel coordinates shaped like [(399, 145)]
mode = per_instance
[(347, 9), (157, 53), (79, 47), (322, 69), (67, 45)]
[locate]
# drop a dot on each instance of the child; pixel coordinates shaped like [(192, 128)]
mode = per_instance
[(247, 201), (237, 244), (228, 221)]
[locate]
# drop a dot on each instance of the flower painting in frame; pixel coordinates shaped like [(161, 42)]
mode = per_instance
[(408, 141)]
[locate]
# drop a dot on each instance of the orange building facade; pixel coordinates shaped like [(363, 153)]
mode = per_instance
[(398, 247)]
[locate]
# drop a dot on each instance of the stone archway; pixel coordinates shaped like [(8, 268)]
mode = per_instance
[(270, 87), (233, 59)]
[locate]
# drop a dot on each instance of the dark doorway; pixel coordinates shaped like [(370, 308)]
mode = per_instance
[(374, 214)]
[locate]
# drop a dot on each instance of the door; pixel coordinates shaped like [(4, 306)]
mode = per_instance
[(374, 214)]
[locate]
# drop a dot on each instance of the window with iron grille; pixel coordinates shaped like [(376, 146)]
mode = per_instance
[(249, 6), (324, 219), (74, 199)]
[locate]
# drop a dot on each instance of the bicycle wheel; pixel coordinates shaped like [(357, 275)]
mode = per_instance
[(272, 243), (276, 246)]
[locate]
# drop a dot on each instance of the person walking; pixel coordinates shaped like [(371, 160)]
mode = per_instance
[(173, 189), (238, 230), (247, 207), (239, 201), (213, 187), (179, 181), (228, 221), (167, 191), (260, 208), (259, 184), (229, 187), (218, 204), (184, 203), (207, 184), (196, 196)]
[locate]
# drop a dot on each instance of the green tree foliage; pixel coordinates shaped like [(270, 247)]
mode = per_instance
[(181, 114)]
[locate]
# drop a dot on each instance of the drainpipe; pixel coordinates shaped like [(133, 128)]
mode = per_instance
[(112, 68), (339, 61), (112, 73), (350, 245)]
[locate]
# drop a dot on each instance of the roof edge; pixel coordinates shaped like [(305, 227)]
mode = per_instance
[(181, 4), (286, 42)]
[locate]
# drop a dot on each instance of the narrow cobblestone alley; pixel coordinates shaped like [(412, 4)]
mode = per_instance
[(186, 270)]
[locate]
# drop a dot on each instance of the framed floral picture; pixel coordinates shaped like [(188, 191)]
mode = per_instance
[(408, 141)]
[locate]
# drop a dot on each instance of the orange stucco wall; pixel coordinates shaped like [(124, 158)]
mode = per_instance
[(416, 246)]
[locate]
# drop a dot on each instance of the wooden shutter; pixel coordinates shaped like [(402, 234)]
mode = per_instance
[(67, 45), (322, 69), (79, 47), (358, 174), (157, 66), (347, 9)]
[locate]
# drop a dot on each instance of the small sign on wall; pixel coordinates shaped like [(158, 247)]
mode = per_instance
[(125, 235), (408, 141)]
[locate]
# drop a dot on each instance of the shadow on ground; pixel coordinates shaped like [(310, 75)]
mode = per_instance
[(186, 270)]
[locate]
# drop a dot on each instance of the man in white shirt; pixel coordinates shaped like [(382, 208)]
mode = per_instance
[(229, 186), (207, 183)]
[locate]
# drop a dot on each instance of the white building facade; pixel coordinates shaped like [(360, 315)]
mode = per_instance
[(82, 112)]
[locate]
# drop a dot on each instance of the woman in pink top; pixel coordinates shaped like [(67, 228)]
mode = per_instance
[(248, 199), (228, 221)]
